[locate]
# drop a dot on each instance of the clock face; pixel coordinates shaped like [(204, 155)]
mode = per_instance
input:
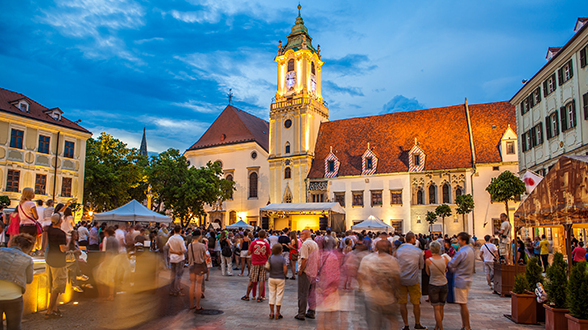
[(290, 79), (312, 83)]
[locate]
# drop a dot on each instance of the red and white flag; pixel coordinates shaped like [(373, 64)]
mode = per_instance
[(531, 180)]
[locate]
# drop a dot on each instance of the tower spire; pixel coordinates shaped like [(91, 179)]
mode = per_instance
[(143, 148)]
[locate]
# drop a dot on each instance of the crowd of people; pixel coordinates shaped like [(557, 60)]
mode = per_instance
[(389, 270)]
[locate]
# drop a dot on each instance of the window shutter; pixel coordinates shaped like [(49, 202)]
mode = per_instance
[(563, 119), (524, 141), (585, 97), (522, 107), (560, 76), (556, 117), (571, 69), (540, 128), (548, 127), (545, 88), (583, 57), (574, 112), (554, 84), (538, 94), (533, 133)]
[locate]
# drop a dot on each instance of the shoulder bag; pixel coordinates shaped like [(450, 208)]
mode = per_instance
[(37, 224)]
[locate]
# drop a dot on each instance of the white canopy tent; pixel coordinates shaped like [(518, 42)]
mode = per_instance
[(240, 224), (133, 211), (374, 224)]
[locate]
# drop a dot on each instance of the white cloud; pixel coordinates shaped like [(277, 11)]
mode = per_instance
[(197, 106), (142, 41), (212, 11)]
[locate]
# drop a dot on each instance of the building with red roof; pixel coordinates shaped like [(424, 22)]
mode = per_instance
[(40, 149)]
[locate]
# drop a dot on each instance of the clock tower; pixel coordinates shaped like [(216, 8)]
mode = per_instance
[(295, 116)]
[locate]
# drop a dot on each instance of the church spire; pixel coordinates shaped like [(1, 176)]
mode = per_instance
[(299, 37), (143, 148)]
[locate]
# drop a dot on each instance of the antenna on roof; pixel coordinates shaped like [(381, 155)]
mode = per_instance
[(230, 95)]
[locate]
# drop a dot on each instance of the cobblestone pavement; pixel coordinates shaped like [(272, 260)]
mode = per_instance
[(223, 293)]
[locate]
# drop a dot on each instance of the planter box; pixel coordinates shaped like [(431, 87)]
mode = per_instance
[(576, 324), (504, 277), (555, 318), (523, 308)]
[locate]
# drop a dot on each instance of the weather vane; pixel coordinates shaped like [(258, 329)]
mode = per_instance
[(230, 95)]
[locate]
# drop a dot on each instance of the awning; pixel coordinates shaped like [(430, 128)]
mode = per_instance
[(303, 207), (133, 211), (372, 223), (561, 198), (240, 224)]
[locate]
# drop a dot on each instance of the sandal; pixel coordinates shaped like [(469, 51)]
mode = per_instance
[(196, 310), (279, 317), (245, 298), (259, 300), (271, 316)]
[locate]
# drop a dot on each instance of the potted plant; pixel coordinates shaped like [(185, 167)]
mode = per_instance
[(533, 275), (556, 287), (523, 304), (578, 298)]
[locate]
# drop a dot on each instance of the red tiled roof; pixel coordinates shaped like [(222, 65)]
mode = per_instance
[(35, 110), (234, 126), (489, 123), (442, 134)]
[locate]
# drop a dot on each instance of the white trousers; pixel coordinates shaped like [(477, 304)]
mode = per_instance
[(276, 291), (226, 265)]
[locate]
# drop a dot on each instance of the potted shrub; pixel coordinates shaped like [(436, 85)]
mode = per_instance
[(556, 287), (578, 298), (533, 274), (523, 305)]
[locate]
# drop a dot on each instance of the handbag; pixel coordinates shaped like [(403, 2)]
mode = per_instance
[(37, 224), (70, 256), (268, 266)]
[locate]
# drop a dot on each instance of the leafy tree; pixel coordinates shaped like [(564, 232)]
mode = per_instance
[(165, 173), (4, 201), (114, 174), (443, 211), (505, 188), (557, 282), (465, 205), (431, 218), (578, 291)]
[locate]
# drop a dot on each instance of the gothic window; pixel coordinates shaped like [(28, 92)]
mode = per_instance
[(290, 65), (287, 173), (446, 193), (312, 70), (253, 185), (287, 148), (458, 191), (432, 194), (419, 197)]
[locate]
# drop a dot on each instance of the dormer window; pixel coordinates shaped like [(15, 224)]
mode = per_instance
[(54, 113), (24, 107), (369, 162), (416, 158), (331, 165)]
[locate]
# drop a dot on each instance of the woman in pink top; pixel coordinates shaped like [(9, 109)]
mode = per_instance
[(579, 254), (27, 213)]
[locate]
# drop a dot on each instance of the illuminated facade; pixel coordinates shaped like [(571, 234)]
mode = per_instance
[(40, 149), (295, 116)]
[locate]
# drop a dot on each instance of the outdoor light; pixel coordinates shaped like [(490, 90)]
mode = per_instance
[(90, 213), (419, 219), (455, 219)]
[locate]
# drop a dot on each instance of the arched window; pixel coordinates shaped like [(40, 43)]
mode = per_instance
[(287, 148), (287, 173), (432, 194), (253, 185), (290, 65), (458, 191), (446, 193), (230, 178), (312, 70), (419, 197)]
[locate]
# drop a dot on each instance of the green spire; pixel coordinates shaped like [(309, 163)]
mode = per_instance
[(299, 37)]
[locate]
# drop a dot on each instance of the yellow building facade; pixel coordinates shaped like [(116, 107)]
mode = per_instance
[(40, 149)]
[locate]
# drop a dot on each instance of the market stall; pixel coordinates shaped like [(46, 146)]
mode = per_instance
[(134, 212)]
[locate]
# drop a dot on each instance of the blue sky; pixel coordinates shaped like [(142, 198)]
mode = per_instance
[(168, 64)]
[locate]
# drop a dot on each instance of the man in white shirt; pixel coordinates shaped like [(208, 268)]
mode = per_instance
[(177, 252), (489, 253), (308, 262), (83, 235), (119, 233), (273, 239)]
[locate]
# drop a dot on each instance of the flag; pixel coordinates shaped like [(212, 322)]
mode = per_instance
[(531, 180)]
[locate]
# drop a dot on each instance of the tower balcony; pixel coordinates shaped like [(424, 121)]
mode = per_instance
[(299, 101)]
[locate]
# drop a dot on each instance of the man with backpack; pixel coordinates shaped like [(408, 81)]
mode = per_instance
[(489, 253)]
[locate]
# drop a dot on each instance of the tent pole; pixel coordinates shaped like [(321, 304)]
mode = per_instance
[(568, 243)]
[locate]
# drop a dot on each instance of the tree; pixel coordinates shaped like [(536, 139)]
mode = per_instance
[(465, 205), (431, 218), (505, 187), (185, 190), (4, 201), (443, 211), (557, 282), (114, 174), (578, 291)]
